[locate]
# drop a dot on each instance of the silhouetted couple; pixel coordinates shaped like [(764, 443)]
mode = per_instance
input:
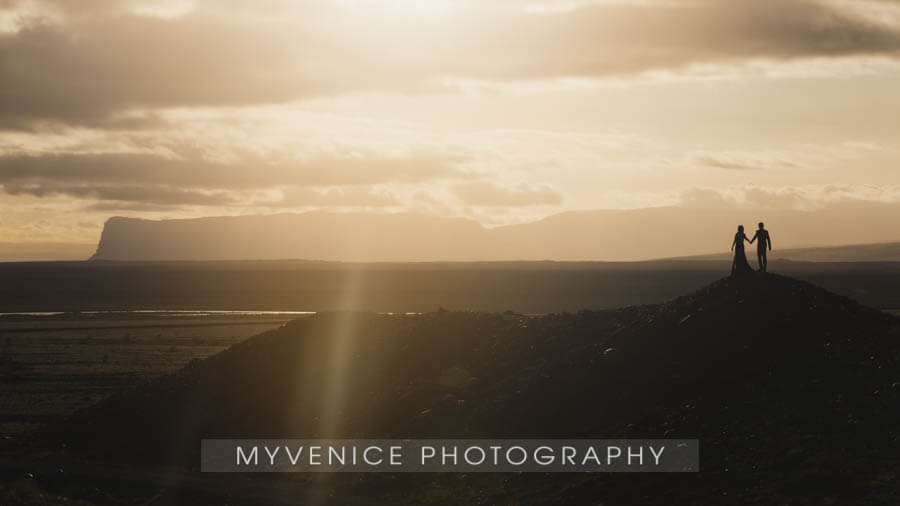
[(739, 265)]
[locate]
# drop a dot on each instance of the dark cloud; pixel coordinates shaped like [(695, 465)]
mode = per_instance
[(88, 72), (603, 40), (150, 179), (117, 206), (316, 169), (103, 60), (489, 194), (150, 194)]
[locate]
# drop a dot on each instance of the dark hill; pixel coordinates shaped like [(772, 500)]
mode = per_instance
[(793, 392)]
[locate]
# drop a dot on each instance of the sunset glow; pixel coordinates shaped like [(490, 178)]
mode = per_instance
[(500, 112)]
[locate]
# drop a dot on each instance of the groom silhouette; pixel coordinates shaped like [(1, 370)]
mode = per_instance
[(765, 240)]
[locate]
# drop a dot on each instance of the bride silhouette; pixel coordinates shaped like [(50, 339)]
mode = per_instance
[(740, 266)]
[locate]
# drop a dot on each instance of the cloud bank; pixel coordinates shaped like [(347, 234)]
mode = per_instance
[(489, 110), (91, 64)]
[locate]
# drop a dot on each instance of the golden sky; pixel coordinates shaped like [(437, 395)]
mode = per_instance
[(501, 111)]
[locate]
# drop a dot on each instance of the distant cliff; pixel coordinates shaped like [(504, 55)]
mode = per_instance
[(612, 235), (315, 235)]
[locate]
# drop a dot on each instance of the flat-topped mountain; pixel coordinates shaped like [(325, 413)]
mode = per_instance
[(792, 390), (314, 235)]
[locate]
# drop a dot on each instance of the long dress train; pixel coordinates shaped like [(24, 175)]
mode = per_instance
[(740, 266)]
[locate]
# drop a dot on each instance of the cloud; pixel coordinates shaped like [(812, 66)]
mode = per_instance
[(88, 71), (95, 63), (720, 163), (789, 198), (482, 193), (191, 179), (115, 206), (632, 38), (704, 198), (160, 195), (783, 198), (741, 160), (356, 196)]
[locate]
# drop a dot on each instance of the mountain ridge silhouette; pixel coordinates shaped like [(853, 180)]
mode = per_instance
[(608, 235)]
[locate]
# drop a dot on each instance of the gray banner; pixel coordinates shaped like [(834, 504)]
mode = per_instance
[(450, 455)]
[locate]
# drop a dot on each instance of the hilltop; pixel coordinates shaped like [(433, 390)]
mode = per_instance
[(792, 390), (880, 252)]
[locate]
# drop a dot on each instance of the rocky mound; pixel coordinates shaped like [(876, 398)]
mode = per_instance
[(793, 391)]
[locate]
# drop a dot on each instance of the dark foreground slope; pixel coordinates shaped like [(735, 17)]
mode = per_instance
[(793, 392)]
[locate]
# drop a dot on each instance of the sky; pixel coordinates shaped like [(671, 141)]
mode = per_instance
[(502, 111)]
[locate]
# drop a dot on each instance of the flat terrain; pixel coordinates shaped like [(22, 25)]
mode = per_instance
[(52, 365), (524, 287)]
